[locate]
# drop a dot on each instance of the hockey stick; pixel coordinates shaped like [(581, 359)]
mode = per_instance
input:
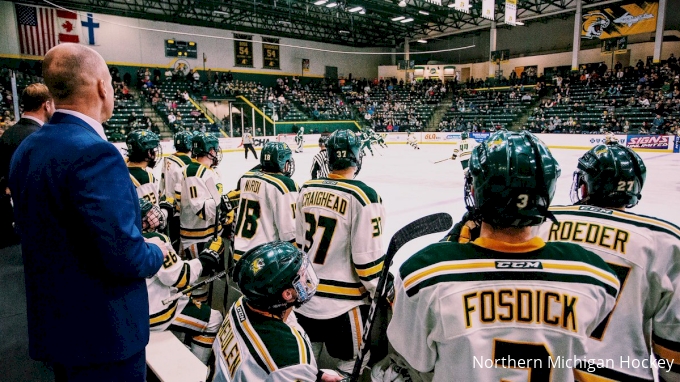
[(426, 225), (193, 287), (440, 161)]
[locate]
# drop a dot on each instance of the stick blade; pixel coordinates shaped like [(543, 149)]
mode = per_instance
[(426, 225)]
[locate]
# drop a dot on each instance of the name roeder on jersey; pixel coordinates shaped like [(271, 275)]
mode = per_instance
[(339, 226), (644, 252)]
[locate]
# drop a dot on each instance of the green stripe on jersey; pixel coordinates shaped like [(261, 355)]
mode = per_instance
[(642, 221), (141, 175), (194, 169), (159, 235), (364, 194), (279, 339)]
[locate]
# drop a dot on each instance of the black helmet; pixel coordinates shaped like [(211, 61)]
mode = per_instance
[(182, 141), (202, 143), (264, 272), (143, 145), (277, 157), (512, 180), (609, 175), (344, 150)]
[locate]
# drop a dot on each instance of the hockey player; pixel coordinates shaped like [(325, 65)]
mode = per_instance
[(200, 200), (267, 200), (412, 140), (320, 162), (339, 225), (143, 152), (300, 139), (463, 149), (644, 252), (507, 301), (171, 180), (259, 339), (380, 139), (365, 142), (183, 315)]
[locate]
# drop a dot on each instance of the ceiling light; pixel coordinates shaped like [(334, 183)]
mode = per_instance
[(424, 13), (344, 32), (319, 2), (331, 5), (451, 5), (406, 20), (519, 23), (284, 22), (402, 3), (221, 13), (398, 18), (362, 12), (355, 9), (422, 41)]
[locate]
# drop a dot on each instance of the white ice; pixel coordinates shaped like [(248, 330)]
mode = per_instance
[(412, 186)]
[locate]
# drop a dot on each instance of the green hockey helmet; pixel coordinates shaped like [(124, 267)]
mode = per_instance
[(511, 181), (206, 144), (182, 141), (277, 157), (152, 217), (143, 145), (344, 150), (266, 271), (464, 135), (609, 175)]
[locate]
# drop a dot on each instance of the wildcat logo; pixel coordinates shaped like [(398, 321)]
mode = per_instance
[(519, 265), (594, 24)]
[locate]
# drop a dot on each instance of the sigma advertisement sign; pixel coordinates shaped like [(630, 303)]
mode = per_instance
[(480, 137), (654, 142)]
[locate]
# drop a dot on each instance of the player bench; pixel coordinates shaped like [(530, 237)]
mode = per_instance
[(171, 361)]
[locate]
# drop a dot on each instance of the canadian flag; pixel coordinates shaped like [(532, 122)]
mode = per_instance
[(68, 26)]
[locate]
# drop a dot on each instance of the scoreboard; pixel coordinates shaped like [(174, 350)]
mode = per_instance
[(185, 49)]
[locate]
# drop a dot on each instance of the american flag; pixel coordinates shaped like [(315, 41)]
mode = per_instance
[(37, 29)]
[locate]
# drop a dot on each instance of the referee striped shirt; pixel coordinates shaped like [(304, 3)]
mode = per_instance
[(320, 165)]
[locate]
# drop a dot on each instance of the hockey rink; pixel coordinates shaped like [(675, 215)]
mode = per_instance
[(412, 186)]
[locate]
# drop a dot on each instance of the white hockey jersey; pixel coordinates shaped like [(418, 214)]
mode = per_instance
[(463, 148), (253, 347), (174, 275), (493, 311), (148, 187), (645, 254), (171, 178), (199, 197), (266, 210), (339, 226)]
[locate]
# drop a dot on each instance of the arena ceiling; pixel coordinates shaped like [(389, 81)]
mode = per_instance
[(358, 23)]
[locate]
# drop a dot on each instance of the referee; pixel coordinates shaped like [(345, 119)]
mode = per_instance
[(320, 162), (247, 142)]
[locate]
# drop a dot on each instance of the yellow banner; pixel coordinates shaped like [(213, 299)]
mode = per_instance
[(620, 20)]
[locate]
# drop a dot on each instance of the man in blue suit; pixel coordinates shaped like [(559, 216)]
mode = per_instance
[(78, 217)]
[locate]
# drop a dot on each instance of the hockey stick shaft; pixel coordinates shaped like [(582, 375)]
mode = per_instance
[(443, 160), (193, 287), (426, 225)]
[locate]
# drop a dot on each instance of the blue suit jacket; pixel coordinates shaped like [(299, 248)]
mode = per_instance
[(84, 255)]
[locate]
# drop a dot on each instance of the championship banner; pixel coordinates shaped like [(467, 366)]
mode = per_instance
[(654, 142), (620, 20), (462, 6), (488, 8), (243, 50), (511, 12), (270, 53)]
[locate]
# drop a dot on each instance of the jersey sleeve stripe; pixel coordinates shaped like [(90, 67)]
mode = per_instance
[(603, 375), (164, 316), (183, 278), (370, 270), (135, 181), (302, 346), (238, 254), (199, 233), (667, 349), (341, 290)]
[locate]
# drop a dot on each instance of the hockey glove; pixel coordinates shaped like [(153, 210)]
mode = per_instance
[(455, 154), (211, 257), (464, 231)]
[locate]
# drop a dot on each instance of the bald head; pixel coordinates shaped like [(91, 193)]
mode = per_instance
[(78, 79)]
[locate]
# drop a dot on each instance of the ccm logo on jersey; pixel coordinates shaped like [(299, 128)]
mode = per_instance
[(596, 209), (240, 313), (519, 265)]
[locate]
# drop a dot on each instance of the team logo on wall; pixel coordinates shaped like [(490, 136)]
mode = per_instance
[(620, 20)]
